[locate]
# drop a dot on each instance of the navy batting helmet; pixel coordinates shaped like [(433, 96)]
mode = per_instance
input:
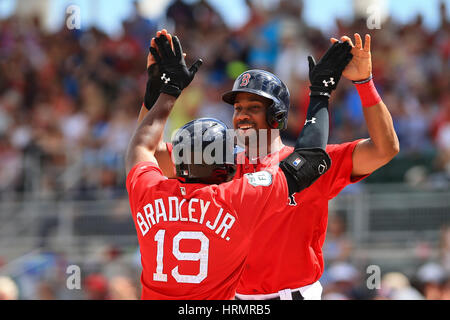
[(204, 152), (265, 84)]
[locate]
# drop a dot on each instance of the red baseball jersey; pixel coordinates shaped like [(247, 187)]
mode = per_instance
[(194, 238), (286, 251)]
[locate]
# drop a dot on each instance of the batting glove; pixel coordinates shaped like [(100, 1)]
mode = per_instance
[(325, 75), (175, 75)]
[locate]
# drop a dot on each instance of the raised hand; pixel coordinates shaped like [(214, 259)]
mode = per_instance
[(154, 83), (360, 67), (325, 75), (175, 75), (150, 59)]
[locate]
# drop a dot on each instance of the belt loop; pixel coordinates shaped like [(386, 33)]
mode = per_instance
[(285, 294)]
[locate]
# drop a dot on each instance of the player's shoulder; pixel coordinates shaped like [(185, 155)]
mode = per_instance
[(146, 172), (145, 167)]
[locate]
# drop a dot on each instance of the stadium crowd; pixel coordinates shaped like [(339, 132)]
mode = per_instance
[(69, 101)]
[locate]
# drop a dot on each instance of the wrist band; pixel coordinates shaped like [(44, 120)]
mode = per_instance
[(368, 93), (363, 81)]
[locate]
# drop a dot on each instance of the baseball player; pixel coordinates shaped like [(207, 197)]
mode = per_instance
[(195, 231), (286, 259), (291, 263)]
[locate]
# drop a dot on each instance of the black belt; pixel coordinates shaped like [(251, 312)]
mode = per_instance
[(296, 295)]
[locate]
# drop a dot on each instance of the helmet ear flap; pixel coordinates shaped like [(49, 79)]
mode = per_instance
[(276, 117), (231, 170)]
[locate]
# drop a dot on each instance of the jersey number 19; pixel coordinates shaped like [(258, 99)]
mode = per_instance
[(201, 256)]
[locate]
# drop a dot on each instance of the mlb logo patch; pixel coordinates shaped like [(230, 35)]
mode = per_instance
[(296, 162), (183, 191)]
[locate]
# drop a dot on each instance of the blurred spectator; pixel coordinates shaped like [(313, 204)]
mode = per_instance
[(96, 287), (396, 286), (337, 247), (445, 293), (444, 248), (181, 13), (442, 132), (340, 281), (115, 264), (8, 289), (123, 288), (264, 41), (45, 291), (139, 27), (81, 90), (431, 277), (212, 104)]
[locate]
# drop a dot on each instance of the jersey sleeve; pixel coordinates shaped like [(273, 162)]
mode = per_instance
[(340, 173), (256, 195), (141, 177)]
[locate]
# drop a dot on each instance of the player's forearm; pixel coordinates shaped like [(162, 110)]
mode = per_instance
[(148, 135), (304, 166), (142, 114), (383, 145), (151, 128), (383, 138), (162, 155), (315, 131)]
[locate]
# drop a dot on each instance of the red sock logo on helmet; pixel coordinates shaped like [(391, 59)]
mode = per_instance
[(245, 79)]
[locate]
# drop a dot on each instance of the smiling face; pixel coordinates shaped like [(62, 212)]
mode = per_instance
[(249, 118), (250, 112)]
